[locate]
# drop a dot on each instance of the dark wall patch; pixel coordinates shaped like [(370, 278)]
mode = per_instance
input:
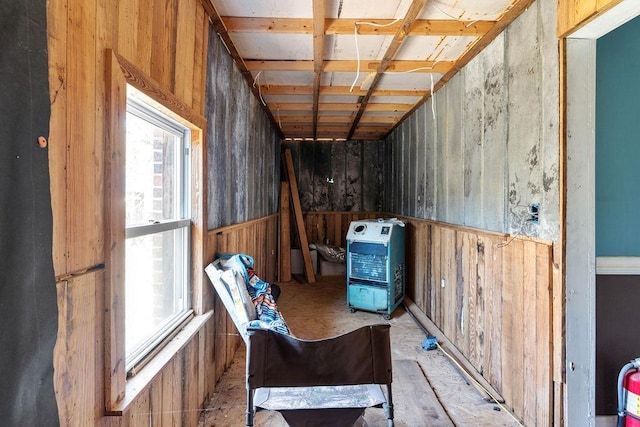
[(28, 304), (339, 176), (242, 154)]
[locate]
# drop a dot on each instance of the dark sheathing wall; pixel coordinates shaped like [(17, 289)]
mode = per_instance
[(339, 176), (486, 146), (617, 332), (28, 310), (242, 145)]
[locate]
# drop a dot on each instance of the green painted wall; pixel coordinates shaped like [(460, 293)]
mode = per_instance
[(618, 142)]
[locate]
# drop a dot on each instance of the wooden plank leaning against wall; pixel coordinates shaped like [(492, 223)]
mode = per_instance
[(489, 294), (143, 32)]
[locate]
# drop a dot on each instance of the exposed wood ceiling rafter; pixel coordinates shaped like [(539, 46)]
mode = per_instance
[(423, 27), (350, 66), (334, 70), (398, 39), (318, 54)]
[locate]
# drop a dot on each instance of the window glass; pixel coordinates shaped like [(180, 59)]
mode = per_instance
[(157, 291)]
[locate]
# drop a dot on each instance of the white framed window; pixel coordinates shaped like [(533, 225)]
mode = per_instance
[(157, 229)]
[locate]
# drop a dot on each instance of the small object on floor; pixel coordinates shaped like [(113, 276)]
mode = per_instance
[(430, 343)]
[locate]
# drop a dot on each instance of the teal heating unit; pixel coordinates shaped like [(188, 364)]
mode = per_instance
[(375, 265)]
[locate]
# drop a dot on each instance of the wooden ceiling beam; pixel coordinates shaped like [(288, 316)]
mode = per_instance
[(306, 106), (318, 56), (420, 27), (351, 66), (332, 90), (399, 37), (389, 107), (341, 107), (321, 119)]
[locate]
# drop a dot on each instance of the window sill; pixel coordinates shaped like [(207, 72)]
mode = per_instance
[(138, 384)]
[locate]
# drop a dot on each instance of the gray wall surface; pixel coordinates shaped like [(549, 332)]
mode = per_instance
[(355, 167), (486, 146), (243, 151), (28, 303)]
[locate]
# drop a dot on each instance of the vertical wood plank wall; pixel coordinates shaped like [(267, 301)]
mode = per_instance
[(167, 39), (491, 296)]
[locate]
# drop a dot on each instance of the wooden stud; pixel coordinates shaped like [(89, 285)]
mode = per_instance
[(297, 212)]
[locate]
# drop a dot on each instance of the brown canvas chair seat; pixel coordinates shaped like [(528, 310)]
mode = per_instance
[(310, 382)]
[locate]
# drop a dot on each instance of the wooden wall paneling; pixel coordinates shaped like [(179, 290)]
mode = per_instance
[(143, 35), (62, 378), (273, 244), (78, 385), (164, 15), (206, 361), (201, 38), (310, 227), (140, 414), (477, 316), (335, 233), (473, 328), (192, 372), (171, 399), (428, 279), (422, 264), (494, 344), (155, 402), (220, 334), (530, 326), (448, 258), (128, 20), (512, 325), (436, 277), (57, 50), (106, 36), (322, 229), (186, 28), (544, 331), (84, 170), (509, 330)]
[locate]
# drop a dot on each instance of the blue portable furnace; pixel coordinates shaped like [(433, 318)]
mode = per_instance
[(375, 265)]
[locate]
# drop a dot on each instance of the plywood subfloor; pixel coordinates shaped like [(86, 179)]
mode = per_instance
[(428, 389)]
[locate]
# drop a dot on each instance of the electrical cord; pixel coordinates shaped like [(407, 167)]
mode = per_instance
[(355, 34)]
